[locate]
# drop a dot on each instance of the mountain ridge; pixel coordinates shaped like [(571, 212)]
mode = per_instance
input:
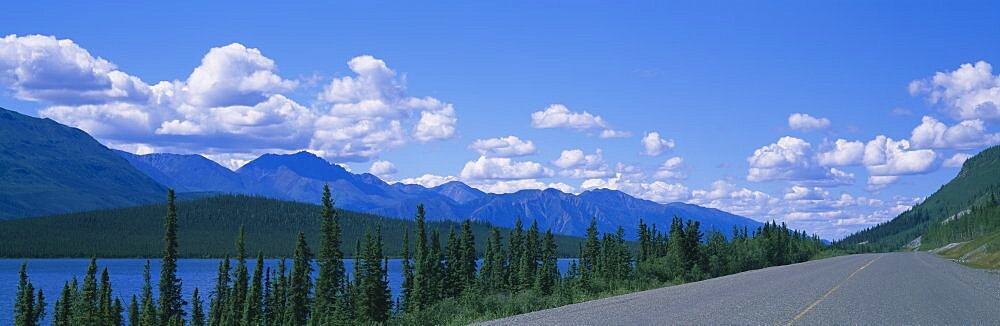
[(300, 177), (48, 168)]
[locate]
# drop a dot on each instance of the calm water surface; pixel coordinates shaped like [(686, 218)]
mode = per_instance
[(49, 275)]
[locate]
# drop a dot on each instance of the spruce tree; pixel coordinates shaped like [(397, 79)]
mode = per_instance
[(238, 294), (467, 264), (86, 310), (435, 281), (589, 256), (147, 316), (297, 312), (374, 298), (119, 310), (217, 306), (422, 278), (171, 303), (529, 257), (197, 312), (63, 315), (407, 286), (252, 305), (133, 312), (28, 309), (515, 255), (492, 275), (275, 310), (453, 283), (105, 306), (330, 260), (548, 272)]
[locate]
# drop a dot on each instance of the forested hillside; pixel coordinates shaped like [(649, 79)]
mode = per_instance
[(48, 168), (964, 209), (207, 229)]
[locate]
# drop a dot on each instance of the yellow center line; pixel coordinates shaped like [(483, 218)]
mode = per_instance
[(828, 293)]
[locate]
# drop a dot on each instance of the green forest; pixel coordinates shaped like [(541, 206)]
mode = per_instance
[(206, 228), (442, 282)]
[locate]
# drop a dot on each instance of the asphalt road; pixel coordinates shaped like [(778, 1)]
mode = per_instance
[(870, 289)]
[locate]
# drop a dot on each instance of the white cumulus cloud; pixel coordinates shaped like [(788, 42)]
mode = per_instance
[(382, 169), (802, 121), (510, 146), (654, 145), (559, 116), (502, 168), (970, 92), (793, 159), (967, 134)]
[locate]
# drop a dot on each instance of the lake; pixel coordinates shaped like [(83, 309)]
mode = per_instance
[(49, 275)]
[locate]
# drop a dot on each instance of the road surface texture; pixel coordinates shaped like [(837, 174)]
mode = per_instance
[(870, 289)]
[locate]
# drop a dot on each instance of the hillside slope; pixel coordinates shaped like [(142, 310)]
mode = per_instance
[(966, 209), (48, 168)]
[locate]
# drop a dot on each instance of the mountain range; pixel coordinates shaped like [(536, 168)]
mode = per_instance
[(301, 176), (126, 179)]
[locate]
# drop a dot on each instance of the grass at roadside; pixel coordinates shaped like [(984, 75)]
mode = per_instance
[(983, 252)]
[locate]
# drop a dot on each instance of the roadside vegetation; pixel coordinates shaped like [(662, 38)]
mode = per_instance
[(442, 282)]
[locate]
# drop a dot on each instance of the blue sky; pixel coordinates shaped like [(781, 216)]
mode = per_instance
[(414, 85)]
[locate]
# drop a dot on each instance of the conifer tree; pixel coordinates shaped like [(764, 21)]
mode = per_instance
[(676, 253), (133, 312), (275, 310), (407, 286), (467, 264), (492, 275), (147, 316), (217, 306), (171, 303), (197, 312), (252, 304), (105, 306), (529, 257), (453, 283), (331, 265), (86, 310), (119, 310), (422, 278), (373, 288), (238, 294), (548, 272), (297, 312), (589, 255), (28, 310), (436, 269), (63, 315), (268, 297), (515, 253)]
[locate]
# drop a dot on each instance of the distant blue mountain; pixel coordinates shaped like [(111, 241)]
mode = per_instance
[(301, 177), (186, 173), (48, 168)]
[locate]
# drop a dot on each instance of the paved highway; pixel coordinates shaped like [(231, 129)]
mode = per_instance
[(880, 289)]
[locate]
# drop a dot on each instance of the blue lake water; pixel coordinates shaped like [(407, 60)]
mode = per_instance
[(49, 275)]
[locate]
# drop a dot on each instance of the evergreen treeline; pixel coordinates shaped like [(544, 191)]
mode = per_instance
[(442, 284), (205, 229), (980, 220)]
